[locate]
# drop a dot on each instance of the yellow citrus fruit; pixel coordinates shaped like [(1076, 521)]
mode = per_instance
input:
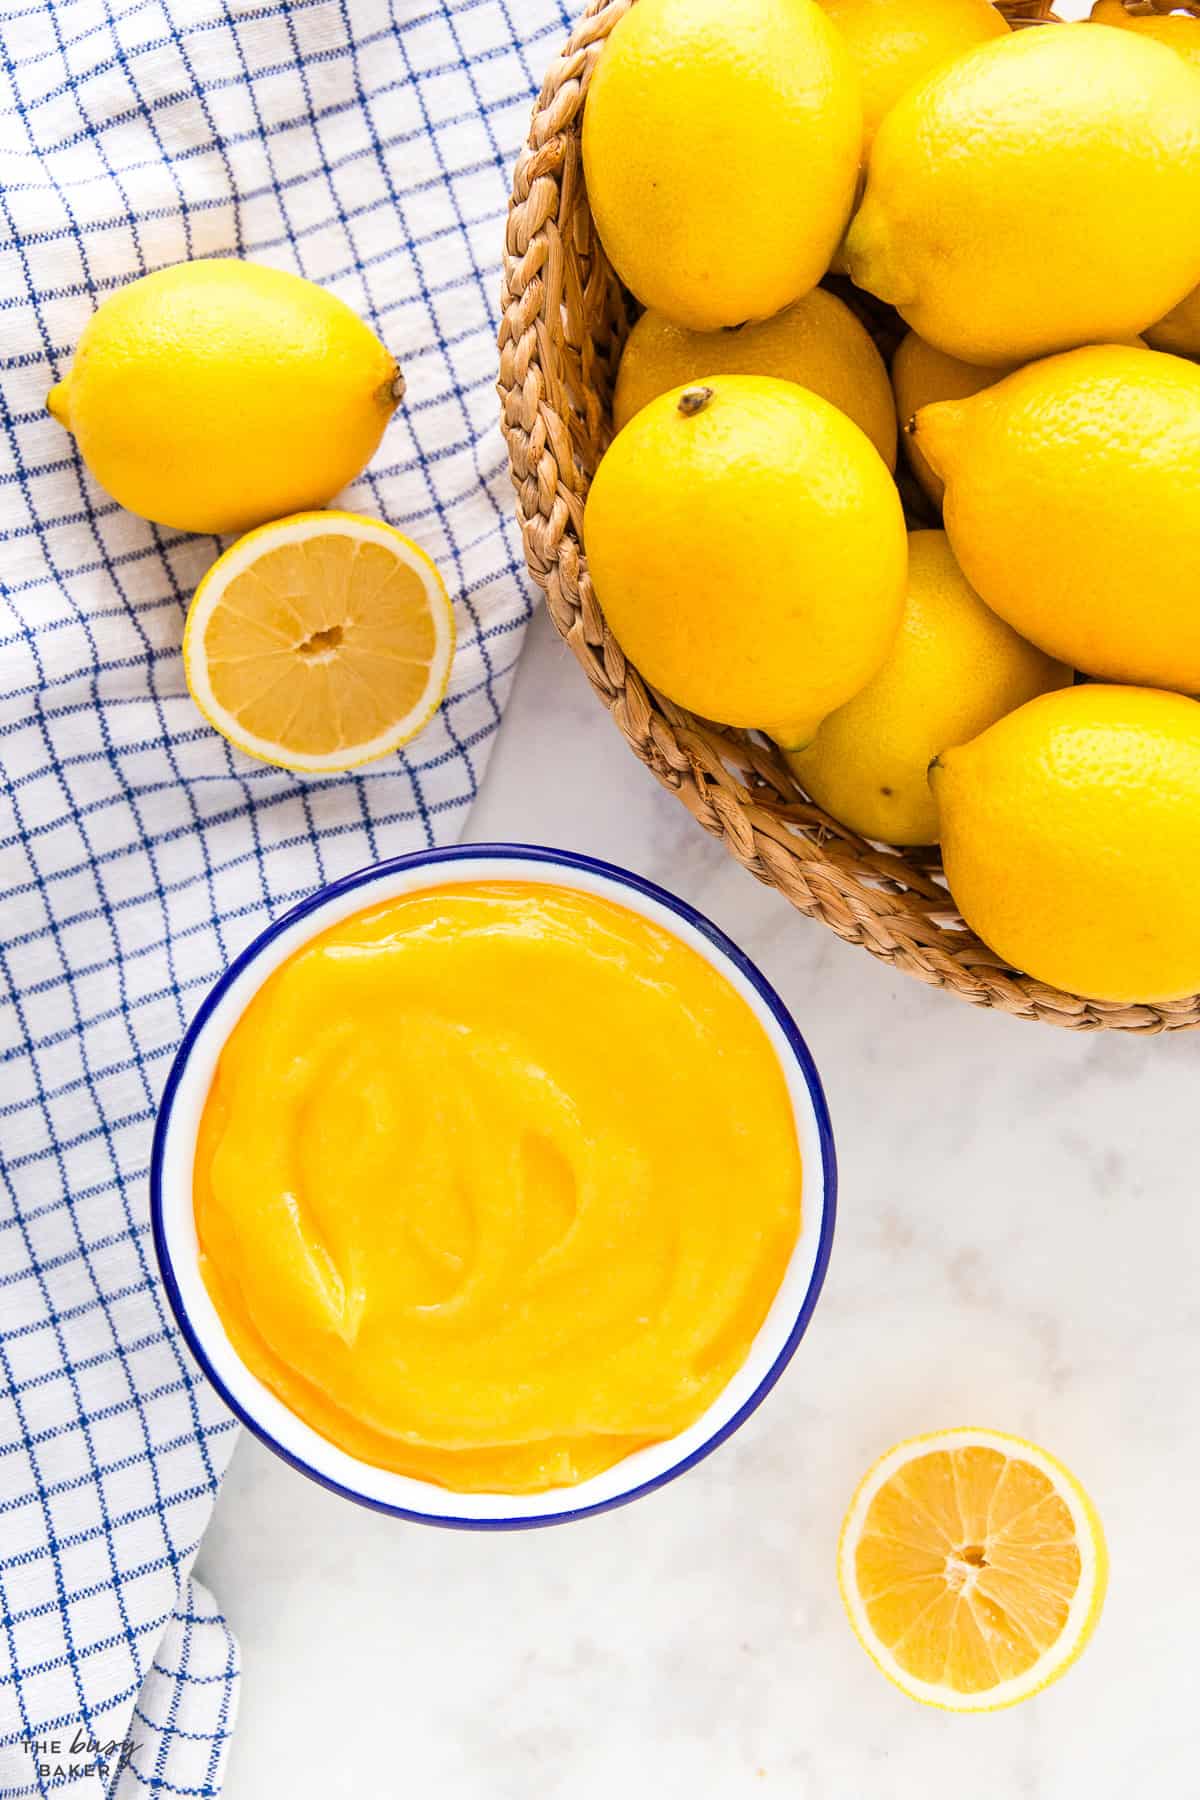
[(953, 669), (721, 147), (1043, 191), (1073, 505), (1179, 331), (895, 43), (1069, 840), (921, 375), (319, 642), (973, 1567), (747, 545), (214, 395), (1180, 32), (817, 342)]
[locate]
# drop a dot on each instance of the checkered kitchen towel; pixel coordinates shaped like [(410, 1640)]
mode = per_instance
[(364, 143)]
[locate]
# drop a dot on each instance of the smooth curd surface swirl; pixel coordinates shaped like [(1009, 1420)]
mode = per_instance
[(495, 1183)]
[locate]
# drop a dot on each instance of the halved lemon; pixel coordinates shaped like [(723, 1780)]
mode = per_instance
[(320, 641), (973, 1568)]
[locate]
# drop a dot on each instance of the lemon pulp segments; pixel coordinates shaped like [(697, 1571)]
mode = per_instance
[(320, 642), (973, 1568)]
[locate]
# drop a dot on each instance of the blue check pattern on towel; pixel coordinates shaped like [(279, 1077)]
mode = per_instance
[(365, 145)]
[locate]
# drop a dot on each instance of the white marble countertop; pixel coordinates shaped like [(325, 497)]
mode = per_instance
[(1016, 1247)]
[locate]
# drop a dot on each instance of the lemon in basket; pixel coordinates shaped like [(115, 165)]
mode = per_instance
[(1069, 840), (817, 342), (954, 669), (1073, 505), (1179, 330), (214, 395), (747, 545), (896, 42), (721, 147), (320, 642), (1180, 31), (973, 1568), (1040, 192), (921, 375)]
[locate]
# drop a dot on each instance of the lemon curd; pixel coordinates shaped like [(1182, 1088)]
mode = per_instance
[(495, 1184)]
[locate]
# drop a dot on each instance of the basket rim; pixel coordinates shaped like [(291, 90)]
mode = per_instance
[(556, 285)]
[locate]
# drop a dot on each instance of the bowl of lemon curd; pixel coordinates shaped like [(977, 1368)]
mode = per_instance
[(493, 1186)]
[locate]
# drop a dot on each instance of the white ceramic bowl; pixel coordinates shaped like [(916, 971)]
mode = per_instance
[(174, 1225)]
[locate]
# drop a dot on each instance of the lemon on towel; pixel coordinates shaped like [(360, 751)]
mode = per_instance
[(320, 642)]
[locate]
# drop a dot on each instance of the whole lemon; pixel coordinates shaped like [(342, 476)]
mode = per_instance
[(721, 147), (1069, 840), (953, 669), (921, 375), (215, 395), (1179, 330), (1039, 193), (1073, 506), (747, 546), (817, 341), (897, 42)]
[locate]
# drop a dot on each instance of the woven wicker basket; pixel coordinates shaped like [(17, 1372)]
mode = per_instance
[(565, 318)]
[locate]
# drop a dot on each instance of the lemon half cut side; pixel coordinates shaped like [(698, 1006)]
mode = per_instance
[(973, 1568), (320, 642)]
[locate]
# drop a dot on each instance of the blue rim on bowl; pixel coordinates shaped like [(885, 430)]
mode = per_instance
[(173, 1223)]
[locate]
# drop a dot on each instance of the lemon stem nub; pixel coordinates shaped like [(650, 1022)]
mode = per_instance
[(693, 400), (398, 387), (792, 739), (56, 404)]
